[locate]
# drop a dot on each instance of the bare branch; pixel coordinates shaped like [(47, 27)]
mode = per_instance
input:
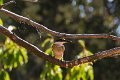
[(40, 53), (33, 49), (8, 3), (42, 28)]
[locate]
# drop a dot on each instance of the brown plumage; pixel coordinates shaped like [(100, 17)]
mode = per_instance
[(58, 49)]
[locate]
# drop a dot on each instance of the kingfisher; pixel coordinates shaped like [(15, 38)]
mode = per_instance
[(58, 48)]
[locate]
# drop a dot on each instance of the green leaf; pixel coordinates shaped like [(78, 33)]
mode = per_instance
[(51, 72), (4, 75), (82, 43), (49, 51), (45, 42), (24, 54), (1, 22)]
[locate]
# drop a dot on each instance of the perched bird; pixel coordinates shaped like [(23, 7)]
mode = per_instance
[(58, 48)]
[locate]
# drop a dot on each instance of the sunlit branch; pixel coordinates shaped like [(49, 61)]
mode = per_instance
[(67, 64), (42, 28), (33, 49)]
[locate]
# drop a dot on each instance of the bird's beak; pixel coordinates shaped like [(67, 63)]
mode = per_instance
[(66, 41)]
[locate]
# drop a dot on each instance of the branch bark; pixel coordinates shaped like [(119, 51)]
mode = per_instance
[(42, 28), (67, 64), (40, 53)]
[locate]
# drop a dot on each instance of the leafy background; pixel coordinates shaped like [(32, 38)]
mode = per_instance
[(69, 16)]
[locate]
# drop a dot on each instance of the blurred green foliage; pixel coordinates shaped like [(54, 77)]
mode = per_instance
[(83, 71), (11, 56), (1, 2), (54, 72), (51, 72), (4, 75)]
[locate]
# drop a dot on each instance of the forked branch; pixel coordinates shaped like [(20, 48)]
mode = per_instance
[(33, 49), (40, 53)]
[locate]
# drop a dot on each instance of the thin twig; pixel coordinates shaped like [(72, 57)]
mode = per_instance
[(67, 64)]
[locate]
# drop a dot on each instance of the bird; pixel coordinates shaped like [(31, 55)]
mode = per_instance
[(58, 48)]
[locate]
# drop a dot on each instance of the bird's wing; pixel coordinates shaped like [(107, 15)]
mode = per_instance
[(62, 48), (58, 48)]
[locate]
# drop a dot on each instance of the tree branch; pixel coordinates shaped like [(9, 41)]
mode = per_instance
[(67, 64), (40, 53), (42, 28)]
